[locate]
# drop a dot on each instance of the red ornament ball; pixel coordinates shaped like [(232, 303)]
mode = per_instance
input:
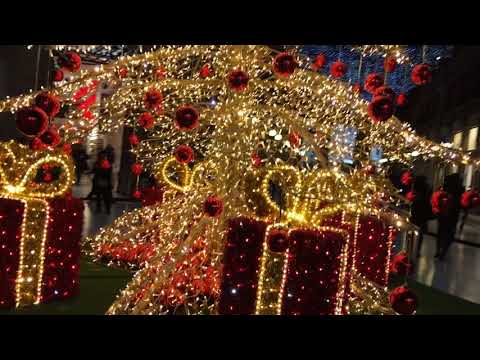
[(37, 144), (51, 137), (67, 149), (401, 100), (153, 99), (284, 64), (320, 62), (357, 88), (470, 199), (407, 178), (403, 301), (400, 264), (294, 139), (146, 120), (70, 61), (410, 196), (184, 154), (390, 64), (373, 82), (256, 159), (105, 164), (187, 118), (385, 91), (338, 69), (213, 206), (133, 140), (421, 74), (278, 240), (47, 177), (48, 103), (238, 80), (380, 109), (440, 202), (137, 168), (205, 71), (58, 75), (122, 72), (160, 73), (137, 194), (32, 121)]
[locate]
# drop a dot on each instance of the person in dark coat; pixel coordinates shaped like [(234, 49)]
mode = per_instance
[(110, 152), (80, 158), (447, 221), (102, 182), (421, 209)]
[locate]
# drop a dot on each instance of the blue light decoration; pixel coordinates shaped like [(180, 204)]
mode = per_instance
[(399, 80)]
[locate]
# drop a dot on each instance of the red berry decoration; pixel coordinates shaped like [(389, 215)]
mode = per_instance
[(160, 73), (146, 120), (407, 178), (373, 82), (122, 72), (277, 241), (440, 202), (105, 164), (205, 71), (184, 154), (137, 194), (403, 301), (48, 103), (187, 118), (284, 64), (357, 88), (410, 196), (137, 168), (238, 80), (380, 109), (401, 100), (37, 144), (51, 137), (213, 206), (256, 159), (338, 69), (67, 149), (390, 64), (133, 140), (153, 99), (32, 121), (294, 139), (421, 74), (320, 62), (385, 91), (58, 75), (400, 264), (470, 199), (70, 61)]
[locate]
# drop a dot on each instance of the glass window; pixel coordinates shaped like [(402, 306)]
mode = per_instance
[(457, 140), (472, 139)]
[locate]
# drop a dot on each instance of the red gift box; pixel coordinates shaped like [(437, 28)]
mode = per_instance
[(306, 277), (61, 259)]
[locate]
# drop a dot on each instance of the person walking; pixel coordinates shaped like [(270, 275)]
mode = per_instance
[(102, 183), (80, 158), (421, 210)]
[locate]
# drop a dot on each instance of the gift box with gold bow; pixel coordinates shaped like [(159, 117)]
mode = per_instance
[(40, 226)]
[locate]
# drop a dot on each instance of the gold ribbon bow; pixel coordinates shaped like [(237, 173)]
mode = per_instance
[(18, 169)]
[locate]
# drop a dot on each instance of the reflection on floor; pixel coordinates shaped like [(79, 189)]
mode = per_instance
[(458, 275)]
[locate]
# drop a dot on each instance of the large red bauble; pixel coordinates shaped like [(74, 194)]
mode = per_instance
[(146, 120), (137, 168), (51, 137), (133, 140), (153, 99), (37, 144), (238, 80), (380, 109), (277, 240), (32, 121), (338, 69), (213, 206), (390, 64), (400, 264), (48, 103), (403, 301), (320, 61), (421, 74), (284, 64), (70, 61), (373, 82), (385, 91), (58, 75), (184, 154), (186, 118), (401, 100)]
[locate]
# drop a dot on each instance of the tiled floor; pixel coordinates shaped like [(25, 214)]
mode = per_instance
[(458, 275)]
